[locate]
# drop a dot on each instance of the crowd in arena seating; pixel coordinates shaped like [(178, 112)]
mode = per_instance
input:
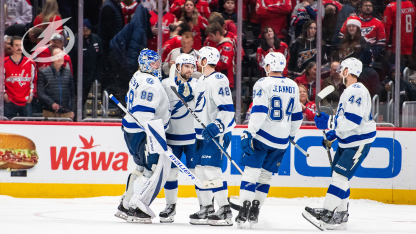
[(115, 31)]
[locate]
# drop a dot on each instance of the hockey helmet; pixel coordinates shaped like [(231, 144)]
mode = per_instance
[(354, 66), (210, 53), (149, 62), (185, 59), (276, 60)]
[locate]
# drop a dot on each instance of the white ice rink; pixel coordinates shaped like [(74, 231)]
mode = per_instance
[(96, 215)]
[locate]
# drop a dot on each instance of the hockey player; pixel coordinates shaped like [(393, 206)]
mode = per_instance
[(275, 118), (355, 131), (214, 107), (146, 100), (181, 135)]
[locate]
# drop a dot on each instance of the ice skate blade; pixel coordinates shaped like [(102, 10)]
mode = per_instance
[(199, 222), (342, 226), (252, 224), (120, 214), (313, 220), (169, 219), (132, 219), (224, 222), (240, 224)]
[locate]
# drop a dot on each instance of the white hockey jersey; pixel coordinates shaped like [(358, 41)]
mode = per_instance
[(276, 113), (355, 125), (146, 100), (213, 102), (18, 12), (180, 131)]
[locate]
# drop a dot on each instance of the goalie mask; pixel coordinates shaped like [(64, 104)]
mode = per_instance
[(185, 59), (276, 60), (353, 65), (149, 62)]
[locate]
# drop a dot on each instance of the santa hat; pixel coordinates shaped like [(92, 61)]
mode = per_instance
[(354, 22)]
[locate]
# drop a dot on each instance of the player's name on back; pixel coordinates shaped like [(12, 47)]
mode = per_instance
[(283, 89)]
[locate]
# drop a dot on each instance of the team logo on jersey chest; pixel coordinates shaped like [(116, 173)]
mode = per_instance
[(149, 80), (219, 76), (177, 111), (201, 97)]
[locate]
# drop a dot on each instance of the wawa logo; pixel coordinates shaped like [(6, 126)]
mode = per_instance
[(87, 158)]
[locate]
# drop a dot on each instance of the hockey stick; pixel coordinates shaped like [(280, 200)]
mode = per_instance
[(321, 95), (172, 157), (173, 87)]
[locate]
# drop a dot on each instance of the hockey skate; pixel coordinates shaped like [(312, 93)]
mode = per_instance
[(326, 219), (253, 215), (201, 217), (121, 211), (135, 215), (243, 214), (167, 215), (223, 217)]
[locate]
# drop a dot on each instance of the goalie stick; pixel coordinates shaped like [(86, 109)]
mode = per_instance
[(173, 87), (321, 95), (171, 156)]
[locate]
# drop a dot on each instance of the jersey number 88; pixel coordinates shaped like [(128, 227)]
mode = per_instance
[(276, 112)]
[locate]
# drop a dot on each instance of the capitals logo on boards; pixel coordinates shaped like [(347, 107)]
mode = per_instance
[(87, 157)]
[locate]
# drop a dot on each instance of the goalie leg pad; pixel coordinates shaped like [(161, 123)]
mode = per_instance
[(136, 174)]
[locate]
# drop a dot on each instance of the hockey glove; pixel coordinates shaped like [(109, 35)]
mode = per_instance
[(227, 140), (212, 130), (247, 143), (291, 138), (182, 92), (321, 121), (330, 137)]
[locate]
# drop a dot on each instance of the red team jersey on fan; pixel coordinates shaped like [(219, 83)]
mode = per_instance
[(201, 6), (371, 28), (168, 18), (332, 2), (284, 49), (128, 11), (275, 15), (171, 44), (407, 27), (225, 65), (196, 30), (20, 78)]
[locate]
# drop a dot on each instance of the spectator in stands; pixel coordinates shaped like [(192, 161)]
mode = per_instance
[(56, 89), (18, 12), (217, 18), (369, 77), (229, 13), (407, 91), (304, 12), (273, 13), (50, 13), (332, 9), (334, 79), (353, 43), (20, 73), (308, 107), (176, 31), (408, 17), (225, 47), (92, 55), (309, 80), (372, 29), (186, 47), (196, 22), (128, 7), (303, 50), (201, 6), (7, 46), (32, 37), (168, 18), (270, 43), (349, 8)]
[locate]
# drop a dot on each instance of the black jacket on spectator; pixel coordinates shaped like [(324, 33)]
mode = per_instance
[(407, 91), (56, 87), (126, 45), (20, 30), (369, 78), (111, 22), (355, 52), (345, 12), (302, 52)]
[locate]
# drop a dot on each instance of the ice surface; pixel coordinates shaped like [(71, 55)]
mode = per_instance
[(278, 215)]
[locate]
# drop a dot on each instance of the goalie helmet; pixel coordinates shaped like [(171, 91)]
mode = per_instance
[(276, 60), (185, 59), (210, 53), (148, 61), (354, 66)]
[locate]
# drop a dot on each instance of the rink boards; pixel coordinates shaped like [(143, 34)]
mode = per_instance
[(91, 159)]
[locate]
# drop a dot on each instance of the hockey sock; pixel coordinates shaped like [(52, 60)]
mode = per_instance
[(205, 195), (248, 184), (344, 203), (337, 191), (221, 194), (263, 186), (196, 188), (171, 186)]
